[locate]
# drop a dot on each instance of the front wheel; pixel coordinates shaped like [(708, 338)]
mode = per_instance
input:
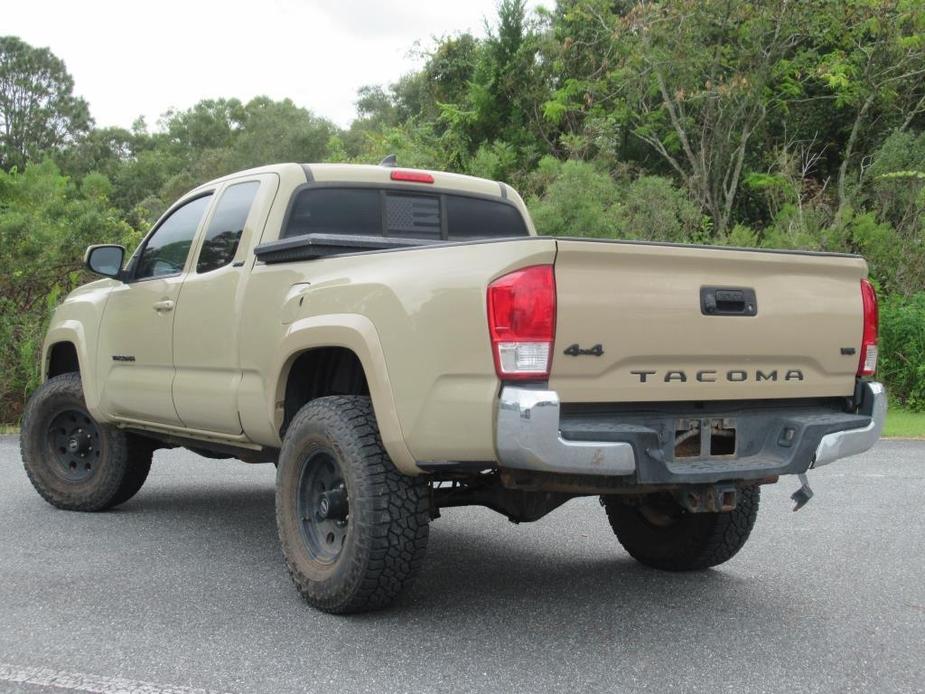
[(353, 528), (659, 532), (74, 462)]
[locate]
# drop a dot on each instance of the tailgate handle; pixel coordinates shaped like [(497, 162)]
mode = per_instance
[(728, 301)]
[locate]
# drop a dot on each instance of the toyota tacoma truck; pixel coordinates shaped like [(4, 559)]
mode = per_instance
[(400, 341)]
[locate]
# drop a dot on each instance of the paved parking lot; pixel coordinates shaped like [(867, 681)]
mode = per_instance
[(184, 587)]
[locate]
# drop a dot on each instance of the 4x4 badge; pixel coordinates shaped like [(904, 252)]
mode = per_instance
[(576, 351)]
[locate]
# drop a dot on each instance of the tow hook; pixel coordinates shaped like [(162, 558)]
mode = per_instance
[(802, 495)]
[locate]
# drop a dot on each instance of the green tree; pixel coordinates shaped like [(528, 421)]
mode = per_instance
[(102, 150), (375, 106), (445, 78), (46, 222), (693, 80), (38, 110), (500, 106), (209, 124), (873, 68), (277, 131), (894, 182)]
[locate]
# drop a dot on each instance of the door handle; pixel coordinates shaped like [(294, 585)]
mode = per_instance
[(728, 301), (163, 306)]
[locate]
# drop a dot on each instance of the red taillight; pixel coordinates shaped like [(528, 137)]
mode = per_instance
[(868, 363), (412, 176), (522, 322)]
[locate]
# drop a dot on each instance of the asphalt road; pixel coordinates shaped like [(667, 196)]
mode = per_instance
[(184, 587)]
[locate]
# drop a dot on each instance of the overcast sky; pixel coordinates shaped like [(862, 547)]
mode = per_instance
[(134, 58)]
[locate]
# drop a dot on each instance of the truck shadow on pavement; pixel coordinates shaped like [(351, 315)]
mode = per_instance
[(485, 582), (479, 567), (502, 579)]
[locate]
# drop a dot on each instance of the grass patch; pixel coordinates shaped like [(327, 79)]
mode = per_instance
[(6, 429), (904, 424)]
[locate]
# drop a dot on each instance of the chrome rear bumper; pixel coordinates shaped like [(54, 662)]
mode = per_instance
[(529, 437), (841, 444)]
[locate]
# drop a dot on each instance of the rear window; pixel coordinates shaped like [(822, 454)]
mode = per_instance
[(413, 216), (372, 212), (335, 211), (472, 218)]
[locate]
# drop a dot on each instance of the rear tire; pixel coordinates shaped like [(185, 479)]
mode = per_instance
[(353, 529), (660, 533), (74, 462)]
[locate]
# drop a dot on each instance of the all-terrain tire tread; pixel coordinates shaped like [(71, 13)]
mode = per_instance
[(116, 482), (392, 539)]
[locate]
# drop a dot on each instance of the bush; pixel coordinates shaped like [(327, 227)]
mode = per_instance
[(21, 336), (893, 189), (497, 160), (580, 200), (46, 223), (902, 349), (894, 183), (653, 209), (577, 198)]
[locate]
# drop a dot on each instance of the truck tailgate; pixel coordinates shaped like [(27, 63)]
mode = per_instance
[(644, 306)]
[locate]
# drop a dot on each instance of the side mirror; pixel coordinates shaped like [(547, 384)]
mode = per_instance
[(105, 260)]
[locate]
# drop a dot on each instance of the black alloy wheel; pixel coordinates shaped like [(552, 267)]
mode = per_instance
[(73, 445), (324, 506)]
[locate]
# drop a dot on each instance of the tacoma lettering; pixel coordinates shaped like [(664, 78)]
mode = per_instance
[(711, 375)]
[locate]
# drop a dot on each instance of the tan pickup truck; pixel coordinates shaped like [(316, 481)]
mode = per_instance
[(400, 341)]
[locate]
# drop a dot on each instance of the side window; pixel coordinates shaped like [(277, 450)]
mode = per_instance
[(226, 226), (335, 211), (166, 250)]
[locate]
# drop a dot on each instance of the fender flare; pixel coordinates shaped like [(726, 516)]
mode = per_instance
[(73, 331), (358, 334)]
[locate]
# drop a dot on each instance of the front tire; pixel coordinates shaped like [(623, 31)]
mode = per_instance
[(659, 533), (353, 529), (74, 462)]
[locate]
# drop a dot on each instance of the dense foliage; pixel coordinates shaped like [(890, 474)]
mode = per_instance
[(46, 222), (902, 345), (789, 124)]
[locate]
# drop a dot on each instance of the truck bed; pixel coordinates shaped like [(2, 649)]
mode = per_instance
[(650, 322)]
